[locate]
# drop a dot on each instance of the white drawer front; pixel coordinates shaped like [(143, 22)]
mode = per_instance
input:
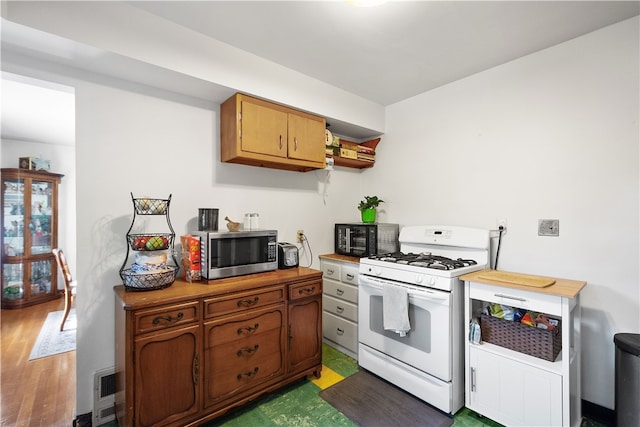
[(340, 331), (350, 274), (340, 308), (340, 290), (550, 304), (330, 270)]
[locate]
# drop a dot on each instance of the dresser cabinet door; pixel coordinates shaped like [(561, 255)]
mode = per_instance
[(305, 326), (167, 376)]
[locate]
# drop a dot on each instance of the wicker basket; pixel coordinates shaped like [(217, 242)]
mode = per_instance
[(148, 281), (523, 338)]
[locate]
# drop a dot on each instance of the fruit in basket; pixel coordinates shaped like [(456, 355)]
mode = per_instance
[(155, 243)]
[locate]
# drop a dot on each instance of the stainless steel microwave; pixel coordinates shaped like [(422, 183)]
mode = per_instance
[(235, 253), (362, 240)]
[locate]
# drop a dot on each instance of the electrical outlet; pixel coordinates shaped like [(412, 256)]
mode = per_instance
[(300, 236), (549, 227), (502, 222)]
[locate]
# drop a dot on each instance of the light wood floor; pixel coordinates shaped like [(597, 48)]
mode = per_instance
[(40, 392)]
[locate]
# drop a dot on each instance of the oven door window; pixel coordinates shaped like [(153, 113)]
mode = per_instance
[(427, 346), (239, 251)]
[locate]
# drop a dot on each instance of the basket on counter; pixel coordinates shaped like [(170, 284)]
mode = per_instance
[(148, 280), (526, 339)]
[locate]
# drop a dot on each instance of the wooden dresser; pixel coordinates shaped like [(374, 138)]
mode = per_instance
[(191, 352)]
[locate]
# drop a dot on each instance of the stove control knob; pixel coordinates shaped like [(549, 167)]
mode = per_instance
[(377, 271), (432, 281), (418, 278)]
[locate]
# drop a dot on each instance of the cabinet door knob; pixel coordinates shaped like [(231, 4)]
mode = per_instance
[(248, 329), (295, 144), (168, 318), (248, 350), (248, 302), (281, 142), (248, 373)]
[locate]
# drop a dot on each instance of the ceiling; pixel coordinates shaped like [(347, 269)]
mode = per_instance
[(395, 50), (383, 53)]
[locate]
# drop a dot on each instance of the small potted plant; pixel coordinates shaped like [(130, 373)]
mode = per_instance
[(368, 208)]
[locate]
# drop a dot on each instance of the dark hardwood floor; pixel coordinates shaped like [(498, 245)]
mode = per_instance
[(40, 392)]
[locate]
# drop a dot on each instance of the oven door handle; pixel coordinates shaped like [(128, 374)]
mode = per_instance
[(422, 294)]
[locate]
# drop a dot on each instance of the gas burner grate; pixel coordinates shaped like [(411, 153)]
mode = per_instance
[(426, 260)]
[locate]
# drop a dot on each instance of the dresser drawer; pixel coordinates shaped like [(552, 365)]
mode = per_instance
[(340, 308), (240, 302), (545, 303), (340, 331), (240, 376), (349, 274), (164, 317), (330, 270), (305, 290), (341, 290), (229, 355), (237, 327)]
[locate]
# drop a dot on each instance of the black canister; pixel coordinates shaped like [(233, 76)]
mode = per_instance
[(207, 219)]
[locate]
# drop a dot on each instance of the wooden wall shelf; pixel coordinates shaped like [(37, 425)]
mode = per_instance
[(352, 163)]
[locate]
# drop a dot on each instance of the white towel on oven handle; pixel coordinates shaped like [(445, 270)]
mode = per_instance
[(395, 309)]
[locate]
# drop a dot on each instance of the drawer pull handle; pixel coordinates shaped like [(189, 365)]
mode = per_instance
[(248, 350), (330, 271), (248, 329), (340, 331), (339, 309), (350, 276), (196, 368), (168, 318), (339, 291), (307, 291), (509, 297), (248, 374), (248, 302), (473, 379)]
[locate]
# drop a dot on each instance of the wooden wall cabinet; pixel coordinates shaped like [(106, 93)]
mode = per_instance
[(517, 389), (189, 353), (30, 230), (261, 133)]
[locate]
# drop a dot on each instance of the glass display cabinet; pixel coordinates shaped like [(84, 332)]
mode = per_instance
[(29, 232)]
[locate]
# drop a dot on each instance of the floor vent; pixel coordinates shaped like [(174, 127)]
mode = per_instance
[(104, 392)]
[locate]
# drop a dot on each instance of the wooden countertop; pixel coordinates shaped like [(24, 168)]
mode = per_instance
[(181, 290), (561, 287), (339, 257)]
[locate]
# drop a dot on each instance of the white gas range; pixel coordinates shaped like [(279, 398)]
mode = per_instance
[(426, 358)]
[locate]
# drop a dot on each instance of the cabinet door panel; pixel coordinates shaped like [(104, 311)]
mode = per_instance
[(264, 130), (514, 393), (306, 139), (167, 376), (305, 334)]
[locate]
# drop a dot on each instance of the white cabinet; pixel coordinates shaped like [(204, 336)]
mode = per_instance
[(340, 302), (517, 389)]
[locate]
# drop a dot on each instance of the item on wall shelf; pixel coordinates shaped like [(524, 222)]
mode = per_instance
[(150, 270), (352, 154), (34, 164)]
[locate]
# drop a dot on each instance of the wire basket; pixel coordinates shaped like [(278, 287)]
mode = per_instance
[(150, 241), (526, 339), (148, 281), (147, 206)]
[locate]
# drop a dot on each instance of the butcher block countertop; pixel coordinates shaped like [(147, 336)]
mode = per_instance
[(339, 257), (527, 282)]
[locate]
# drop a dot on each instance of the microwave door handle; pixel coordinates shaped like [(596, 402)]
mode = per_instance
[(348, 239)]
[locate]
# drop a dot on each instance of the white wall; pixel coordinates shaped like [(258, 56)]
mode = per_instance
[(551, 135)]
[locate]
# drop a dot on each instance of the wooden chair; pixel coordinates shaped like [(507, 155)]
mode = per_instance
[(69, 283)]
